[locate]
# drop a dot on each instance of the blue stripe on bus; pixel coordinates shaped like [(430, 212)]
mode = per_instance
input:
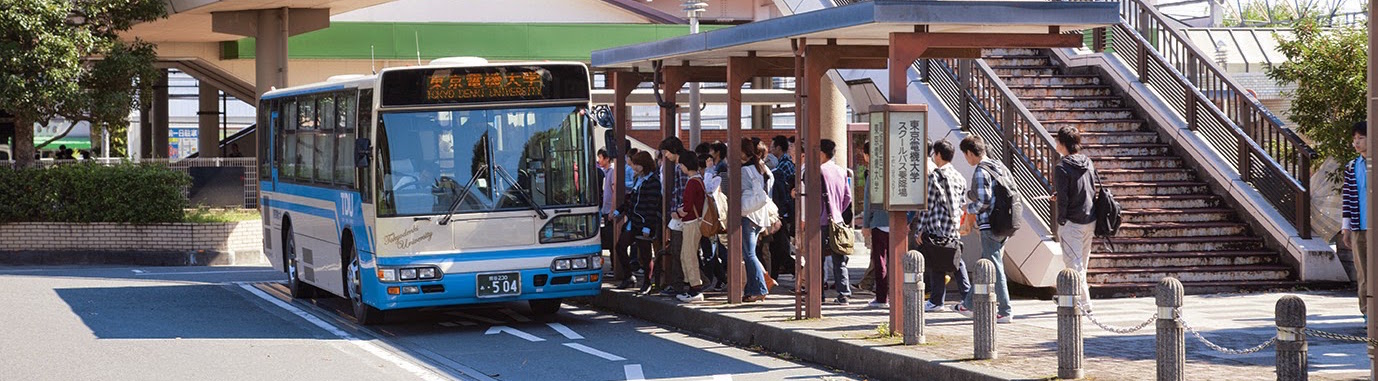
[(492, 255), (303, 91), (304, 209)]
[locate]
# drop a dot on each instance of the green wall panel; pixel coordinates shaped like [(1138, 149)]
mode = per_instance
[(522, 41)]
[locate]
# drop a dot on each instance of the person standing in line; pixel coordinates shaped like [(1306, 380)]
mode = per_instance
[(1354, 221), (876, 222), (608, 180), (642, 210), (1074, 184), (942, 221), (837, 198), (982, 197), (690, 213), (781, 247), (755, 219), (672, 278)]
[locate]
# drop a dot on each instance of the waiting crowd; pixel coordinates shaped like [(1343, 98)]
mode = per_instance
[(681, 252)]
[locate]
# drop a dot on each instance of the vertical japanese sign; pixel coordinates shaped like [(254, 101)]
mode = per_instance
[(875, 179), (903, 129)]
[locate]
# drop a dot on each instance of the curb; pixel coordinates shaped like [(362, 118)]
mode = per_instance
[(133, 258), (880, 361)]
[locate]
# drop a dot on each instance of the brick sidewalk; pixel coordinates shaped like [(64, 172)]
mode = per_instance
[(1028, 349)]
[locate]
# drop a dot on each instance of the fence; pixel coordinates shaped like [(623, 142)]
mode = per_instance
[(215, 181)]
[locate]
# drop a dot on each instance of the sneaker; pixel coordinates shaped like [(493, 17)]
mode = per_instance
[(669, 291), (690, 298), (878, 305), (754, 298), (962, 310), (930, 307), (1004, 319), (841, 300)]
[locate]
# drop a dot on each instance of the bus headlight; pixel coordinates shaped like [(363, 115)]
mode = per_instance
[(597, 261), (426, 273), (579, 263), (407, 274), (570, 227), (387, 275), (561, 264)]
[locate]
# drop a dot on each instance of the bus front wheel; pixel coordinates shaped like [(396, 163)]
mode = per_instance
[(363, 313), (544, 307)]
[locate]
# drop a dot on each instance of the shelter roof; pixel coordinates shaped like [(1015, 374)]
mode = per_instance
[(864, 23), (190, 20)]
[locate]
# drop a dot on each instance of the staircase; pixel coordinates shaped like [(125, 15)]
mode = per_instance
[(1174, 225)]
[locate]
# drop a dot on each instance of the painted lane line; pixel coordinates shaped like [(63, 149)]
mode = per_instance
[(137, 271), (144, 273), (515, 316), (371, 348), (563, 330), (514, 332), (633, 372), (595, 352), (721, 377), (475, 317)]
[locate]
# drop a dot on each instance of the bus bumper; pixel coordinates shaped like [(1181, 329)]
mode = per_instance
[(462, 288)]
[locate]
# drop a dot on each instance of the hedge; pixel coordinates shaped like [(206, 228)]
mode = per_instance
[(89, 192)]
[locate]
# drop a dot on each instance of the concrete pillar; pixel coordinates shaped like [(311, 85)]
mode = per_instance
[(983, 302), (1070, 351), (160, 116), (913, 296), (1290, 316), (834, 127), (270, 28), (208, 126), (761, 115), (1171, 345), (141, 144)]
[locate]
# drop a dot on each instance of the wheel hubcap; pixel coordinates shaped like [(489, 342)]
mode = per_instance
[(354, 284)]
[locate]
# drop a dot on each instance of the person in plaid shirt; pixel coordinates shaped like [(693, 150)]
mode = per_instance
[(672, 279), (943, 219), (982, 196)]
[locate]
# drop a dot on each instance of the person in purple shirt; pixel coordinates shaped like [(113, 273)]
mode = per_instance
[(838, 197)]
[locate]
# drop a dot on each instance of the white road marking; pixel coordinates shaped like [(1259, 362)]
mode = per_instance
[(475, 317), (721, 377), (563, 330), (367, 346), (595, 352), (514, 332), (448, 324), (137, 271), (140, 272), (633, 372), (515, 316)]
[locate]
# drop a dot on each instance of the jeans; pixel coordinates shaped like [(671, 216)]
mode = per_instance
[(993, 249), (880, 257), (755, 274), (843, 284), (937, 286), (670, 273), (714, 263), (1076, 252)]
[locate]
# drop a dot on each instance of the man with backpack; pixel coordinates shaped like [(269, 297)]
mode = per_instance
[(1073, 182), (997, 207)]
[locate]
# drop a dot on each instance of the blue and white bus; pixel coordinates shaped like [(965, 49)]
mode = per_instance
[(457, 182)]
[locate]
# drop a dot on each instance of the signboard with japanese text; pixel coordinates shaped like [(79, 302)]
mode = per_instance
[(875, 185), (427, 85), (904, 133)]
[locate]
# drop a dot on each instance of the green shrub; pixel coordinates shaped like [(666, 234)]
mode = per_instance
[(88, 192)]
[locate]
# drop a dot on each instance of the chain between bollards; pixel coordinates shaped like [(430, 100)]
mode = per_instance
[(913, 298)]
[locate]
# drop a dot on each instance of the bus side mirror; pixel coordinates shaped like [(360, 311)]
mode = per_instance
[(362, 152)]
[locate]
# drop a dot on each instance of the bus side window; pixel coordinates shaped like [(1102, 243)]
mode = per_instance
[(344, 139), (364, 129)]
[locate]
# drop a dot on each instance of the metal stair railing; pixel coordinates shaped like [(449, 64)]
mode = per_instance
[(988, 108), (1270, 157)]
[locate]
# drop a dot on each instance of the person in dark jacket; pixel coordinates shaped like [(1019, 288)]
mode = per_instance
[(1075, 192), (644, 220)]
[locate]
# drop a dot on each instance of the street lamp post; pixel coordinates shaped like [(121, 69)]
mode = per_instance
[(694, 8)]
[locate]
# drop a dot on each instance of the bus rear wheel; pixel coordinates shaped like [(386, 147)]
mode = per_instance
[(544, 307), (295, 286), (354, 290)]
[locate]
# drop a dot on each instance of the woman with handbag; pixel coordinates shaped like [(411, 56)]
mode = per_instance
[(691, 214), (642, 210), (755, 219)]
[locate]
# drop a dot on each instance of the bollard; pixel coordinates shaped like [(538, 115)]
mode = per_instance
[(913, 298), (983, 304), (1070, 352), (1172, 344), (1290, 315)]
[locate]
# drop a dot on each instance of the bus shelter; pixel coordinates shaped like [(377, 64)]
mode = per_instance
[(883, 34)]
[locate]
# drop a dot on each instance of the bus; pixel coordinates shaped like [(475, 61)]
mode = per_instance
[(458, 182)]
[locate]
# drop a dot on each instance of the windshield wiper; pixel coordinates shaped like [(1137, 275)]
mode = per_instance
[(521, 192), (450, 212)]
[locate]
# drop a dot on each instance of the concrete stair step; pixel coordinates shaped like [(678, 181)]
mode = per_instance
[(1136, 162), (1062, 91), (1083, 113), (1008, 71), (1146, 216), (1159, 188), (1091, 139), (1097, 125), (1052, 79), (1034, 99), (1114, 275), (1018, 60), (1146, 289), (1182, 259), (1169, 202), (1145, 175), (1169, 244), (1010, 51), (1182, 229), (1146, 149)]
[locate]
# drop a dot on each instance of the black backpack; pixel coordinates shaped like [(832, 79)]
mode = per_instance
[(1106, 211), (1008, 207)]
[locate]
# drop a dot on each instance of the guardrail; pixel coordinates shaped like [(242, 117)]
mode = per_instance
[(1267, 155), (988, 108)]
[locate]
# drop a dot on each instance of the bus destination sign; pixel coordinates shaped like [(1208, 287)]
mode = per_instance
[(428, 86)]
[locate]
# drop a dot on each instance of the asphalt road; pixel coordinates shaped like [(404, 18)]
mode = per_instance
[(236, 323)]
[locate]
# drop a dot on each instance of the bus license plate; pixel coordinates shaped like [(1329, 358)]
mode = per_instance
[(502, 284)]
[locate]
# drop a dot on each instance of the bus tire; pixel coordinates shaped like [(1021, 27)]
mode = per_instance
[(354, 291), (295, 286), (544, 307)]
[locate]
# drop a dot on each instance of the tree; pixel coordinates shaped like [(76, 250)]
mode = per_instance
[(1329, 67), (66, 58)]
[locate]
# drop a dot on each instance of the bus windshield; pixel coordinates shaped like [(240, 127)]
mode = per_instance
[(483, 159)]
